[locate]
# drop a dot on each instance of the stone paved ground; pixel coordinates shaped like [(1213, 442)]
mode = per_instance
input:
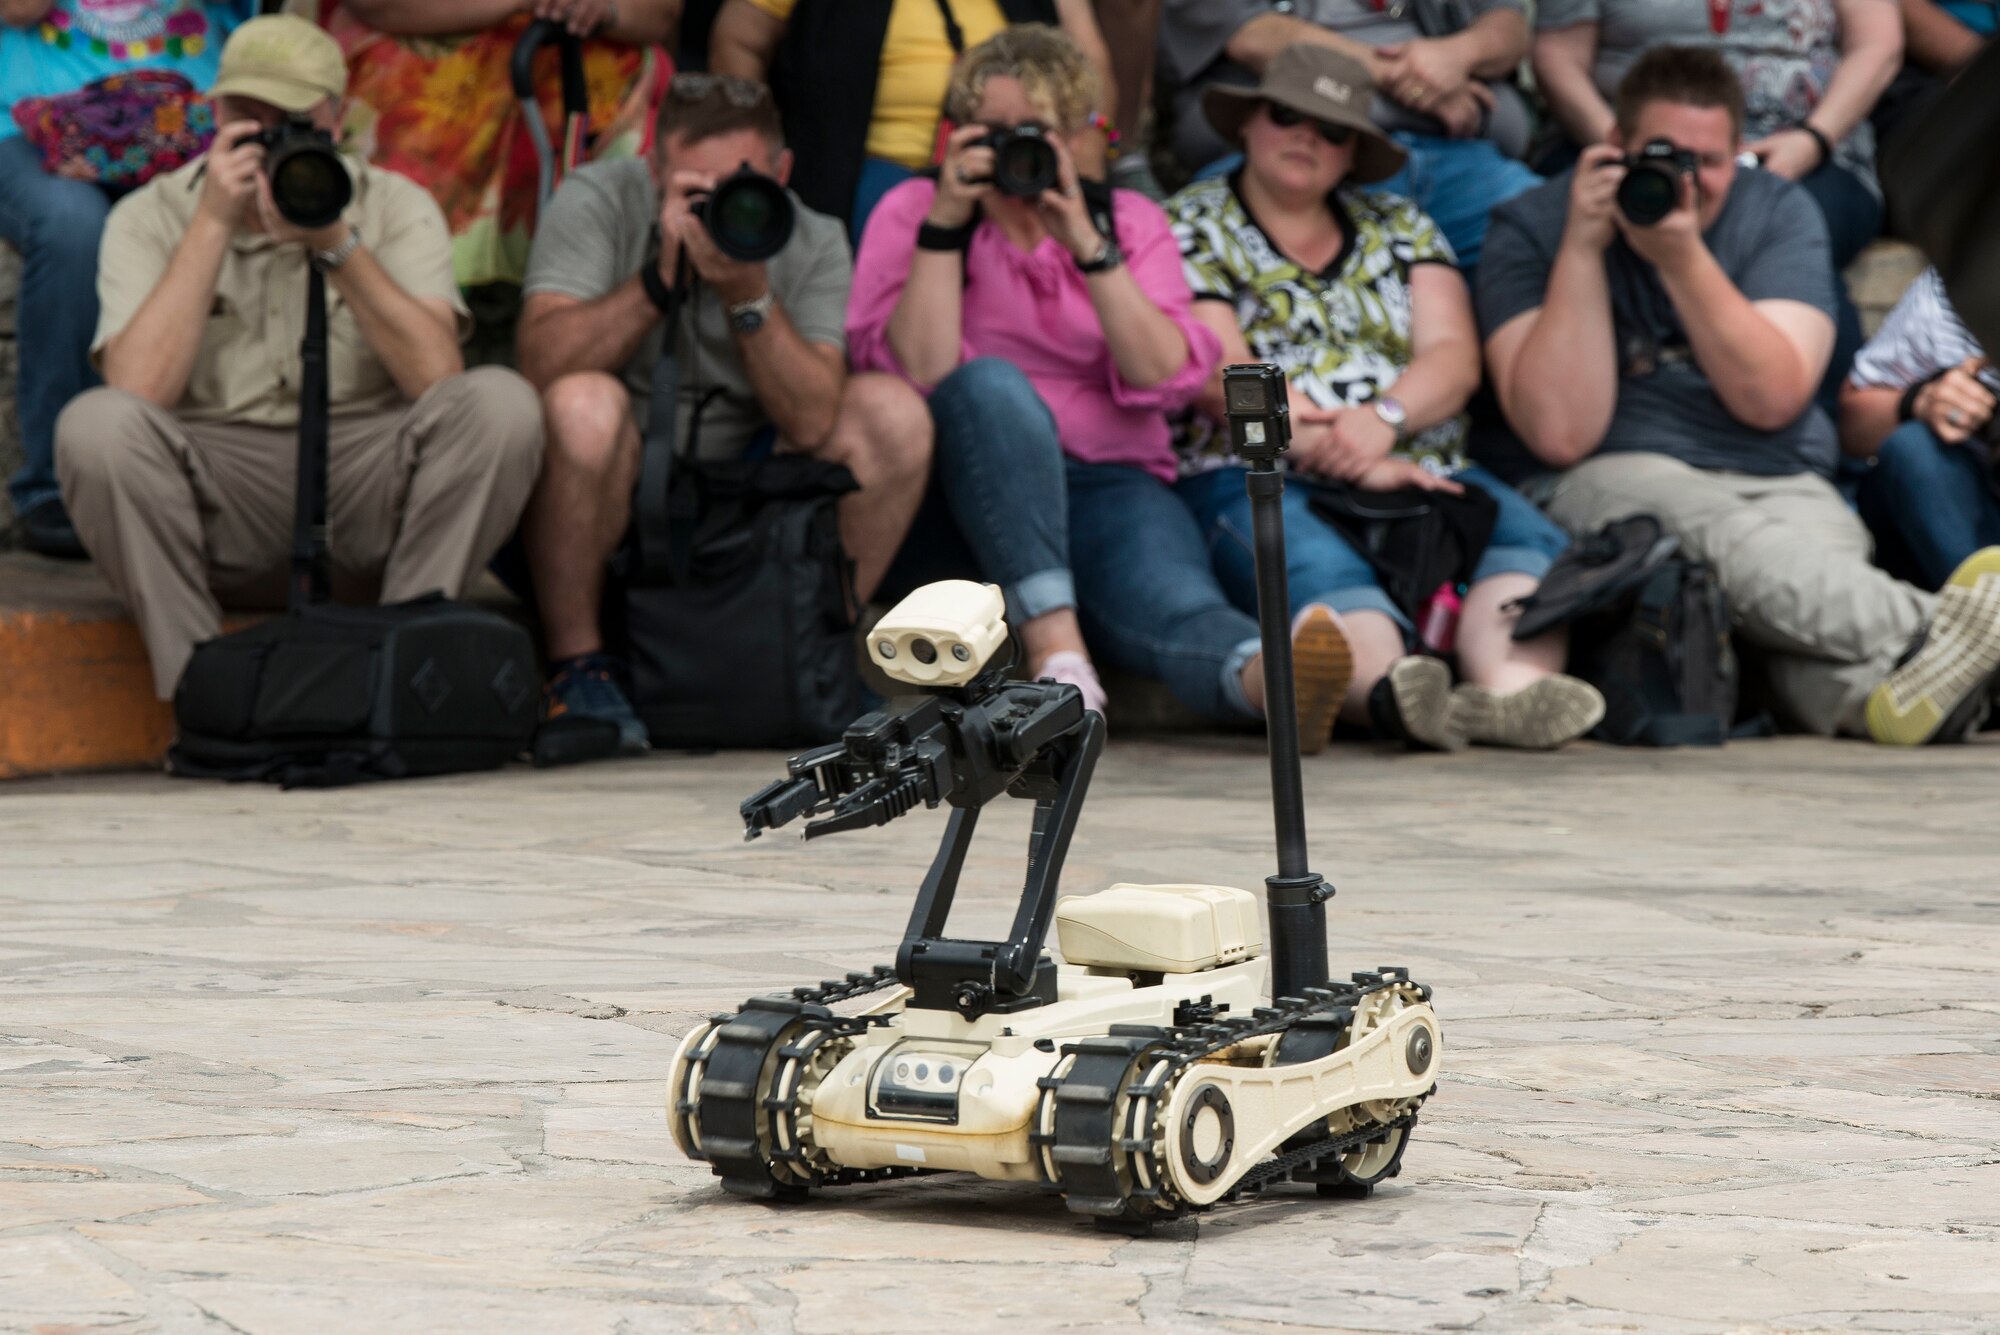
[(1720, 1053)]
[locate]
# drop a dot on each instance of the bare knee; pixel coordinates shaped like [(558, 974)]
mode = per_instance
[(883, 433), (590, 425)]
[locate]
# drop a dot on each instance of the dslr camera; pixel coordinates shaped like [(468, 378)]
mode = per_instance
[(309, 182), (1024, 161), (748, 215), (1652, 185)]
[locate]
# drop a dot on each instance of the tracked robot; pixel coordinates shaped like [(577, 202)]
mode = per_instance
[(1140, 1077)]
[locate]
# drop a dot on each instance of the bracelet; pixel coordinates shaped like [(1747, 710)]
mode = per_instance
[(1906, 407), (930, 236), (1819, 137)]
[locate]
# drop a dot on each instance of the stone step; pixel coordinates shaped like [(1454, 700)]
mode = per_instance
[(76, 691)]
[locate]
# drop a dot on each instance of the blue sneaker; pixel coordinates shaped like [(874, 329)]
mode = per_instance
[(583, 687)]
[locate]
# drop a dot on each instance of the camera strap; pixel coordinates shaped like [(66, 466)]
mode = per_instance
[(310, 552), (952, 32), (664, 514)]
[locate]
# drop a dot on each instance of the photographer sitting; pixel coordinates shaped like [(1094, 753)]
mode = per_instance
[(180, 471), (1920, 402), (1669, 366), (762, 359)]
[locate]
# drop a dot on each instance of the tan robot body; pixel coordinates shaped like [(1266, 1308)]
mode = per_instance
[(1141, 1075)]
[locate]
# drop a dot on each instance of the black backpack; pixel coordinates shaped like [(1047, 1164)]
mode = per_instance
[(1649, 629), (326, 695), (734, 598)]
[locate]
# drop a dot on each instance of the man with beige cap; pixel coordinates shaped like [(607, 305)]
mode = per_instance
[(180, 471)]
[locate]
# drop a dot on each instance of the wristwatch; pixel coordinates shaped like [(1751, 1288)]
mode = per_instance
[(1392, 411), (326, 261), (1108, 257), (747, 317)]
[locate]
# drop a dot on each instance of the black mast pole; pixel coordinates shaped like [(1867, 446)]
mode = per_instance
[(1260, 423)]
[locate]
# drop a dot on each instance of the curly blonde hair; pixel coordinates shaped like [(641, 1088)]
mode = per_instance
[(1058, 80)]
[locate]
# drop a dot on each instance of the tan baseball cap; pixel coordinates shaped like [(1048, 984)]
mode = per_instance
[(282, 59), (1319, 82)]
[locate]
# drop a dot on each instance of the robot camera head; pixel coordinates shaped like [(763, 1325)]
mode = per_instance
[(944, 634)]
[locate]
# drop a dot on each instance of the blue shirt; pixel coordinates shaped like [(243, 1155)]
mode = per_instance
[(81, 41)]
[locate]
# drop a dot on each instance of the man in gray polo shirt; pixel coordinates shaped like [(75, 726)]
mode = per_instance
[(762, 357), (1440, 69), (1670, 369)]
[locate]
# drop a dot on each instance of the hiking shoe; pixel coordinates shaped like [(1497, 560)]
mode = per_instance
[(1541, 716), (1414, 702), (1925, 698), (1322, 667), (1075, 669), (583, 687)]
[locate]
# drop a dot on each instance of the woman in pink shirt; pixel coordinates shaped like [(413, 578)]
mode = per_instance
[(1053, 338)]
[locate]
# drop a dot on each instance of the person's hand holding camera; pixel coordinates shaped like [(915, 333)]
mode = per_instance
[(1065, 213), (965, 178), (681, 232), (1593, 198), (1955, 406), (234, 174), (1674, 239)]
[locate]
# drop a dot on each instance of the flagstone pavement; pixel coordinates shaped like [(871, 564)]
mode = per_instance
[(1720, 1037)]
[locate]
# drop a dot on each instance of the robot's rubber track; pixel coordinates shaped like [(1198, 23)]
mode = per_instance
[(1107, 1166), (733, 1073)]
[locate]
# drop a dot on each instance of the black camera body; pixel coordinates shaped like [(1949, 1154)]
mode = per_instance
[(309, 182), (748, 215), (1024, 161), (1652, 185)]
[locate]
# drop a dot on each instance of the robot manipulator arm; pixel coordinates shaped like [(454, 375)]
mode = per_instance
[(883, 767)]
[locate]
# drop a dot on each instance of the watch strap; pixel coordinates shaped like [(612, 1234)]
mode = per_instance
[(747, 317), (1108, 257), (930, 236), (326, 261)]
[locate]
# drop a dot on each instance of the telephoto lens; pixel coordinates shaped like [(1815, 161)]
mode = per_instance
[(1024, 162), (1652, 185), (748, 215), (309, 182)]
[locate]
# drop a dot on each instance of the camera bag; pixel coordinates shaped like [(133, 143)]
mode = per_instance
[(324, 695), (1648, 628), (735, 595)]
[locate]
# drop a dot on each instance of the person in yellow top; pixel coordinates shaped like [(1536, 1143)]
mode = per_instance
[(861, 83)]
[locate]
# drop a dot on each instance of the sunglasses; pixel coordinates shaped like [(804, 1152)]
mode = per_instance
[(1284, 117)]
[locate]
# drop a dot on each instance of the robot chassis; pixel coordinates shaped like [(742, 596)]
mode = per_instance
[(1141, 1078)]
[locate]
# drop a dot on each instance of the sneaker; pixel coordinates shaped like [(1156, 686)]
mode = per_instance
[(1539, 717), (1926, 697), (45, 528), (1414, 701), (1322, 667), (583, 687), (1075, 669)]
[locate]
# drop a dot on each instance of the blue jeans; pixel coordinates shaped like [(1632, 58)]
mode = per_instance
[(1937, 500), (55, 224), (1458, 182), (1322, 567), (1109, 540)]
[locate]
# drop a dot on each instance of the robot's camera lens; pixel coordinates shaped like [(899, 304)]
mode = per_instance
[(944, 1074), (961, 653), (902, 1071), (923, 1071), (886, 648), (923, 651)]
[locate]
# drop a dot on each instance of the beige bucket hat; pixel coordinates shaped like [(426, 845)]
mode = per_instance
[(1319, 82)]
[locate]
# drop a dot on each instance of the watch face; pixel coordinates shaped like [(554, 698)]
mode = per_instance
[(1391, 411)]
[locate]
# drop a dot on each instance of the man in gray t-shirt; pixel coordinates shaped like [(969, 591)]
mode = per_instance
[(1671, 367), (1441, 68), (761, 353)]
